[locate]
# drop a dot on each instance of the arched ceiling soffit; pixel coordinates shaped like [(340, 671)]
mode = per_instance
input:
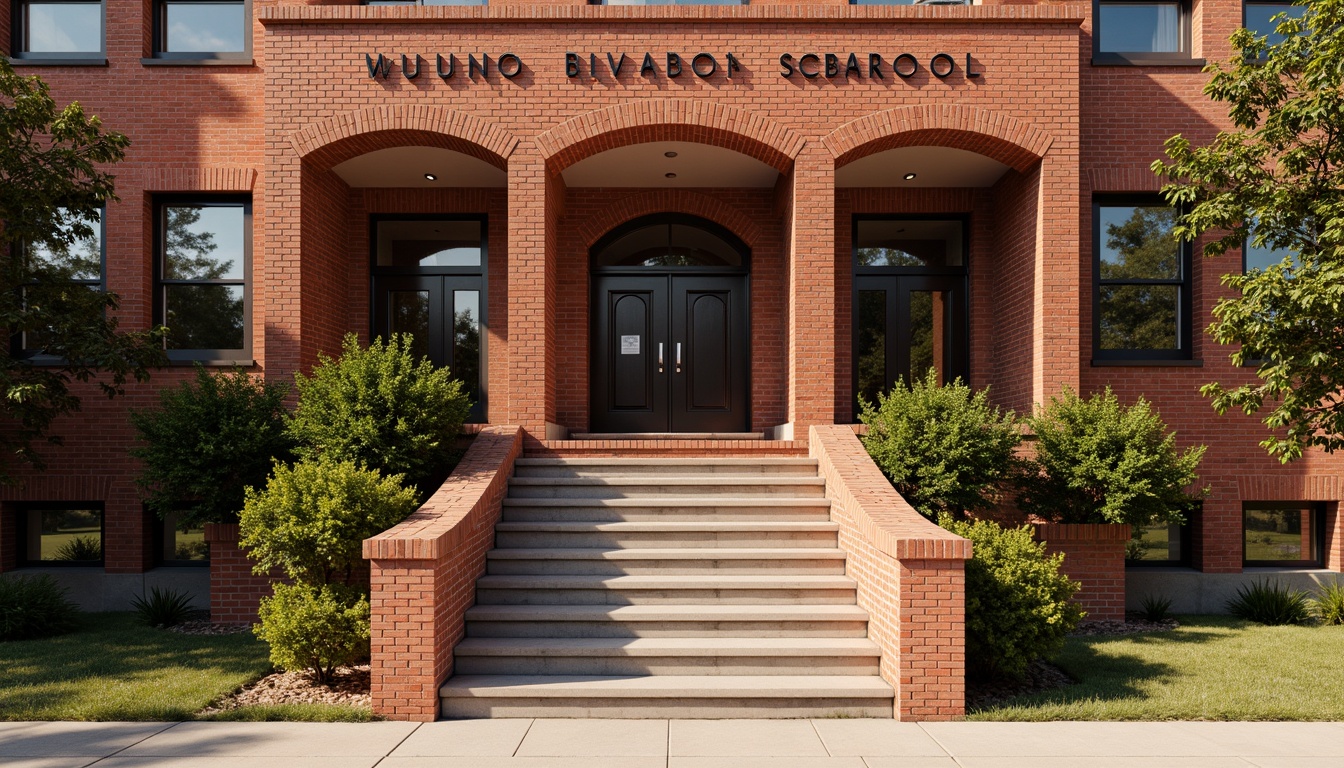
[(649, 120), (1013, 142), (670, 201), (330, 142)]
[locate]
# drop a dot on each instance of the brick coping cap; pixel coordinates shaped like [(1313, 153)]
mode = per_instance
[(1071, 14), (1082, 531)]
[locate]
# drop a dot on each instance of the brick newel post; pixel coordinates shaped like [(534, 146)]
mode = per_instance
[(1094, 555)]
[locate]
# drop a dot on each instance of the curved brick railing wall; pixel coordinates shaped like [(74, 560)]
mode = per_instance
[(1094, 556), (911, 579), (423, 576)]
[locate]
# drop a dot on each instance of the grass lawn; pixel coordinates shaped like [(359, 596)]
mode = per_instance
[(114, 668), (1211, 668)]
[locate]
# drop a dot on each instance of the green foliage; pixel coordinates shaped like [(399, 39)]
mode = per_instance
[(53, 183), (34, 606), (944, 448), (311, 519), (164, 607), (1100, 462), (208, 440), (81, 548), (1155, 608), (315, 628), (1018, 605), (382, 408), (1269, 602), (1328, 605), (1276, 179)]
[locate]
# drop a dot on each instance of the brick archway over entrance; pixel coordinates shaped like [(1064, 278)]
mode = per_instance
[(1013, 142), (327, 143), (670, 201), (749, 133)]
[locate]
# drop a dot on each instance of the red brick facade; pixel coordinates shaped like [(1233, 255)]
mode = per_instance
[(235, 591), (1094, 556)]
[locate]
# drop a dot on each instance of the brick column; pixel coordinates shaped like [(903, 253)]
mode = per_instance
[(235, 592), (533, 211), (1334, 538), (1094, 555), (1061, 346), (812, 300)]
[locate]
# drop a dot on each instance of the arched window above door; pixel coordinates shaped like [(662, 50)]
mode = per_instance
[(669, 240)]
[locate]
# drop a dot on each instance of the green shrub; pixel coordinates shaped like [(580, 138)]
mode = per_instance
[(1018, 605), (1100, 462), (382, 408), (207, 441), (1269, 602), (164, 607), (80, 548), (1329, 603), (315, 628), (1155, 608), (311, 519), (34, 606), (944, 448)]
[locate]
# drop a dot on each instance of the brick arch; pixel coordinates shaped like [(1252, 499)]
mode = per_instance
[(1013, 142), (638, 122), (330, 142), (670, 201)]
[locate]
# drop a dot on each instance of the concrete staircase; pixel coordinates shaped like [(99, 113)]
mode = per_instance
[(705, 588)]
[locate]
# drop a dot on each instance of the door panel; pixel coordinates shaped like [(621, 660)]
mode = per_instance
[(903, 326), (630, 392), (709, 320)]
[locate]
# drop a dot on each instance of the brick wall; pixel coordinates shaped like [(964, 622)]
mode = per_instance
[(1094, 556), (911, 579), (423, 576), (235, 591)]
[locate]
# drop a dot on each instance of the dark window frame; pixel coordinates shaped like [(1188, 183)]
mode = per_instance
[(16, 348), (161, 527), (23, 558), (1185, 293), (1317, 560), (19, 37), (1139, 58), (160, 36), (1185, 559), (161, 203)]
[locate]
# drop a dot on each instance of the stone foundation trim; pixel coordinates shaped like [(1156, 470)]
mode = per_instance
[(911, 578), (423, 577), (1094, 556)]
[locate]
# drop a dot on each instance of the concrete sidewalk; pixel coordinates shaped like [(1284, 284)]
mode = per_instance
[(672, 744)]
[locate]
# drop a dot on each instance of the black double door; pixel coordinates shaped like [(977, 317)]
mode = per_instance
[(669, 353)]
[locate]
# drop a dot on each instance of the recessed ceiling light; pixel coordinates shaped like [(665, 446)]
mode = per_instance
[(431, 177), (909, 176), (669, 154), (670, 175)]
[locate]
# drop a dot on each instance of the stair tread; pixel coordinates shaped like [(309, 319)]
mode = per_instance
[(699, 479), (667, 646), (680, 686), (670, 581), (667, 612), (580, 461), (668, 553), (675, 501), (670, 526)]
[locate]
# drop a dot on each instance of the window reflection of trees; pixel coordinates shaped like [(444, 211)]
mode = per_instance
[(204, 315), (1141, 316)]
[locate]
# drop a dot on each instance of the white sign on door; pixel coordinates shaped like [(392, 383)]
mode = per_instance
[(630, 345)]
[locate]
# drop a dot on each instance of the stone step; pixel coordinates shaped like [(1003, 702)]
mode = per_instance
[(666, 620), (667, 696), (650, 508), (607, 467), (668, 561), (665, 485), (581, 589), (711, 655), (573, 535)]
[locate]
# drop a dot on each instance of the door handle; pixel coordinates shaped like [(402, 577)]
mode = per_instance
[(660, 357), (678, 361)]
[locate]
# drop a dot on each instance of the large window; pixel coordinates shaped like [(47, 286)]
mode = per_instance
[(61, 534), (58, 29), (1278, 533), (1257, 15), (1152, 32), (1141, 287), (81, 263), (203, 29), (204, 260)]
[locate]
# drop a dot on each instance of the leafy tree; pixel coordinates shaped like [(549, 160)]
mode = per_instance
[(53, 185), (1277, 180)]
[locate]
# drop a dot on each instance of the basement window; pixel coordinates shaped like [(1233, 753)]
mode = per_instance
[(1283, 533)]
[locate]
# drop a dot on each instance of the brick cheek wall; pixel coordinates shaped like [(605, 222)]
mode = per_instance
[(423, 577), (911, 579), (1094, 555), (235, 591)]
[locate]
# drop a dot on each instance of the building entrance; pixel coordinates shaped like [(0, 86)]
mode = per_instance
[(670, 328)]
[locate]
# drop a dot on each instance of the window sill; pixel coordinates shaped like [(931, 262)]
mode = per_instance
[(1140, 60), (1147, 363), (247, 61), (213, 363), (71, 62)]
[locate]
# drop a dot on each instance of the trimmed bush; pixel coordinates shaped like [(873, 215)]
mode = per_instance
[(311, 519), (944, 448), (315, 628), (207, 441), (382, 408), (1100, 462), (164, 608), (1018, 605), (34, 606), (1329, 603), (1269, 602)]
